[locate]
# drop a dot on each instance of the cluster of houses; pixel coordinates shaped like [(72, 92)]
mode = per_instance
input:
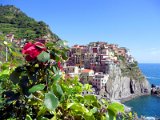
[(92, 62), (19, 42)]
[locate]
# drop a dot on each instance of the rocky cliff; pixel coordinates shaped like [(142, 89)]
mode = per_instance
[(125, 82)]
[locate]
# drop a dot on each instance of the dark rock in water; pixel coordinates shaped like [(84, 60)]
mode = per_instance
[(152, 86), (155, 90)]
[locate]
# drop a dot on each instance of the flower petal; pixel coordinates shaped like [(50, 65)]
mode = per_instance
[(29, 58), (40, 45), (28, 50), (27, 45)]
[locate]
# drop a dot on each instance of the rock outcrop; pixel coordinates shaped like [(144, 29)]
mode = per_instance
[(155, 90), (126, 82)]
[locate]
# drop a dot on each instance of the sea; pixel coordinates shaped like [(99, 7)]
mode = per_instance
[(148, 106)]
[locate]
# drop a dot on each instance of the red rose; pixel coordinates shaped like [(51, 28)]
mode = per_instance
[(33, 50), (59, 65)]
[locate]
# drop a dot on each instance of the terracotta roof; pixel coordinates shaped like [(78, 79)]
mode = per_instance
[(86, 70), (75, 47)]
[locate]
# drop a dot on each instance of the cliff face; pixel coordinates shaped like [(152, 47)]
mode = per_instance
[(126, 82)]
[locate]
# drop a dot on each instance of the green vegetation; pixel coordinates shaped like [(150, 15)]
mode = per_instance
[(132, 70), (121, 58), (18, 23), (9, 51)]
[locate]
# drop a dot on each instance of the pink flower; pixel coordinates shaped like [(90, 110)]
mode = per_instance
[(33, 50)]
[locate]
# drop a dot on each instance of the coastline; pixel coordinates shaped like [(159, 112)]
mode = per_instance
[(151, 101), (123, 100)]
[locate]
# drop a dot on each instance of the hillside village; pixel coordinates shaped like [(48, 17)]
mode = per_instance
[(92, 62)]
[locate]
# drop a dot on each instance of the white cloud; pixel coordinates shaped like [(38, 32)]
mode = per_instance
[(154, 52)]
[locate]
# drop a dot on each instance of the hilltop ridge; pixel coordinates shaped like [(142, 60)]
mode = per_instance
[(14, 21)]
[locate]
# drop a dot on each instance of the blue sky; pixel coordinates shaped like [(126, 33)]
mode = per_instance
[(134, 24)]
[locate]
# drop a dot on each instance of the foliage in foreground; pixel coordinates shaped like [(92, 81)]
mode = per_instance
[(39, 90)]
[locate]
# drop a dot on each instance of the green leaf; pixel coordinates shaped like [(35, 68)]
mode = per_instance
[(130, 114), (42, 111), (4, 72), (94, 110), (5, 65), (43, 56), (104, 102), (54, 70), (116, 107), (64, 55), (57, 77), (81, 109), (104, 117), (15, 54), (90, 98), (4, 75), (87, 87), (112, 115), (28, 117), (57, 57), (57, 90), (51, 101), (79, 97), (78, 107), (44, 118), (37, 88)]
